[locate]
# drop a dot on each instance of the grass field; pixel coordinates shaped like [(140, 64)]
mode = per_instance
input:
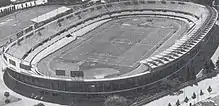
[(117, 45), (121, 42)]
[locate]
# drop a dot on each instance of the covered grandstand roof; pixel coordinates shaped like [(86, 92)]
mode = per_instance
[(50, 14)]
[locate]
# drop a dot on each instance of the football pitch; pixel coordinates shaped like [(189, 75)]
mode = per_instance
[(116, 46), (123, 41)]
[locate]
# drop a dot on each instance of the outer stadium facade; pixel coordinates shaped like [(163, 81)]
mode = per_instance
[(198, 44)]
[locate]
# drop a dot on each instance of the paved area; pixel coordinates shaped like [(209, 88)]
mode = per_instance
[(189, 90)]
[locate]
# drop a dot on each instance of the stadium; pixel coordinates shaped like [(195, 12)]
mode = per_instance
[(121, 47)]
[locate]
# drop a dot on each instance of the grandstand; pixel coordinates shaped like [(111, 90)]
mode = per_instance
[(115, 48), (19, 20)]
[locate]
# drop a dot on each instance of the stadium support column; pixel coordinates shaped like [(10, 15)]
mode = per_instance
[(208, 66), (103, 87)]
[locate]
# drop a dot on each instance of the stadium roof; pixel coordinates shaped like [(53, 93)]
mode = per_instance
[(50, 14)]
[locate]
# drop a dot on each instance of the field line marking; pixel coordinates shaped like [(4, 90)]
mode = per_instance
[(156, 45), (87, 40)]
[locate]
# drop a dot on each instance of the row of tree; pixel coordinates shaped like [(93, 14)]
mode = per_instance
[(7, 100), (116, 100), (194, 96)]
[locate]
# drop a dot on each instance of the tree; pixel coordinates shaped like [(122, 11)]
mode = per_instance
[(194, 95), (186, 99), (7, 101), (39, 33), (190, 104), (169, 104), (209, 89), (201, 92), (13, 7), (39, 104), (177, 103), (59, 24), (34, 3), (116, 100), (6, 94)]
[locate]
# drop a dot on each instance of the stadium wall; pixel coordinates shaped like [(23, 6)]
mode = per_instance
[(59, 91), (64, 92), (36, 28)]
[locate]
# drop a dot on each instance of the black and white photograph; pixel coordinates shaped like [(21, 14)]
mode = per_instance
[(109, 53)]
